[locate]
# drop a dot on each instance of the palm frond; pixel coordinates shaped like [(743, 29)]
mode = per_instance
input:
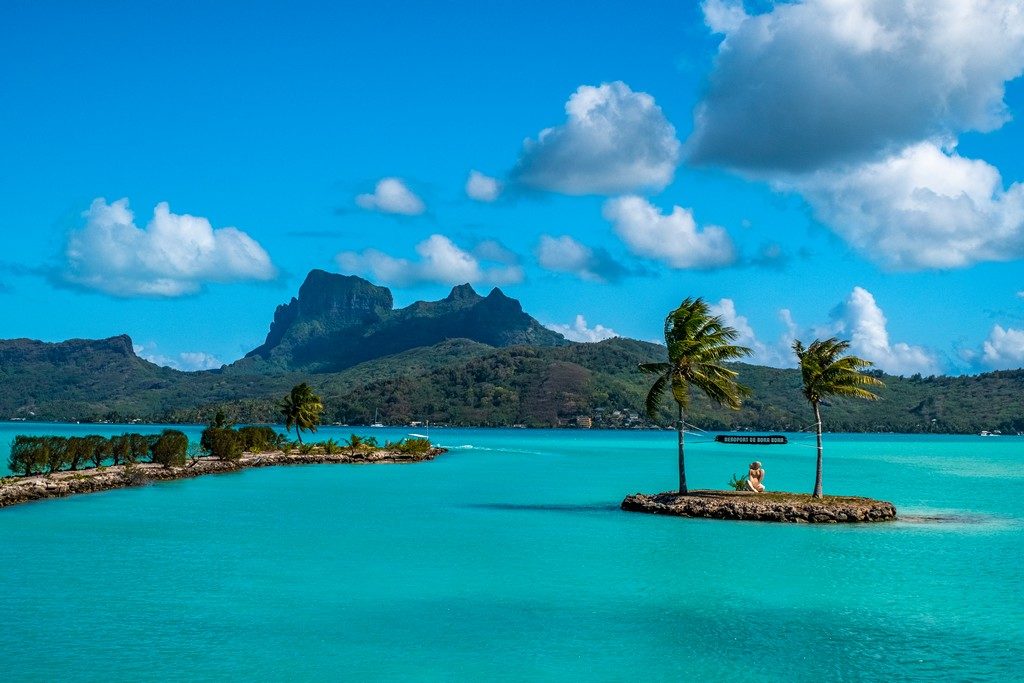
[(652, 403), (698, 343), (826, 372), (680, 390)]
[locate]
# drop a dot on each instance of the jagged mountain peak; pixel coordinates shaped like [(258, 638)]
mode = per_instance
[(121, 344), (497, 294), (337, 321), (331, 293), (326, 302), (463, 292)]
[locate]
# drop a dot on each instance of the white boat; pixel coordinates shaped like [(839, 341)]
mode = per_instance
[(375, 422), (423, 436)]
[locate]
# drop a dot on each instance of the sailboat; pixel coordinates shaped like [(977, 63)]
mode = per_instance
[(376, 423)]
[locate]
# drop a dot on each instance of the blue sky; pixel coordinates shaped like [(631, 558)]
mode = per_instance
[(172, 170)]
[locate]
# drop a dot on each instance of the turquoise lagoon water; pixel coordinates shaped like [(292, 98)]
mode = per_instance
[(508, 558)]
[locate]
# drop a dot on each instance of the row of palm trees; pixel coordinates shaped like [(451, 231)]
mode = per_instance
[(699, 344)]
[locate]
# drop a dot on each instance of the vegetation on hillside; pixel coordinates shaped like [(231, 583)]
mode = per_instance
[(464, 360), (460, 382)]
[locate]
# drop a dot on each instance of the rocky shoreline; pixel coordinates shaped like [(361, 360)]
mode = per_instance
[(15, 490), (763, 507)]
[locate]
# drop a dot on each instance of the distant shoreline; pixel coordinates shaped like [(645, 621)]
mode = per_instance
[(571, 428), (15, 490)]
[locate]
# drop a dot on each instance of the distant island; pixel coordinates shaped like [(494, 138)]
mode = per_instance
[(465, 360)]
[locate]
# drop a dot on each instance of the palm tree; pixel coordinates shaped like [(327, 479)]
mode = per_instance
[(827, 372), (698, 345), (301, 409), (355, 443)]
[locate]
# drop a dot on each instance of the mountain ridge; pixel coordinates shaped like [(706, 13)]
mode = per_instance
[(417, 365), (338, 321)]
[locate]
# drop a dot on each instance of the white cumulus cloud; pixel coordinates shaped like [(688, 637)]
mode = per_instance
[(674, 239), (391, 195), (482, 188), (1004, 348), (188, 361), (173, 255), (440, 261), (578, 331), (761, 353), (808, 84), (863, 320), (858, 319), (921, 208), (723, 16), (858, 105), (614, 140)]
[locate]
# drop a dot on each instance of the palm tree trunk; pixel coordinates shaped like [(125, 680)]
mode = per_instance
[(817, 476), (682, 462)]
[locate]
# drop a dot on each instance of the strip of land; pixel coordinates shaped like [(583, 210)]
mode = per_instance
[(763, 507), (15, 490)]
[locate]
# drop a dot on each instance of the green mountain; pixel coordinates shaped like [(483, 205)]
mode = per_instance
[(339, 321), (83, 379), (464, 360)]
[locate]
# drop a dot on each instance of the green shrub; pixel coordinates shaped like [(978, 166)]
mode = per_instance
[(100, 448), (408, 446), (222, 442), (121, 448), (79, 451), (258, 439), (56, 453), (28, 455), (169, 448), (331, 447), (738, 484), (139, 445), (132, 475)]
